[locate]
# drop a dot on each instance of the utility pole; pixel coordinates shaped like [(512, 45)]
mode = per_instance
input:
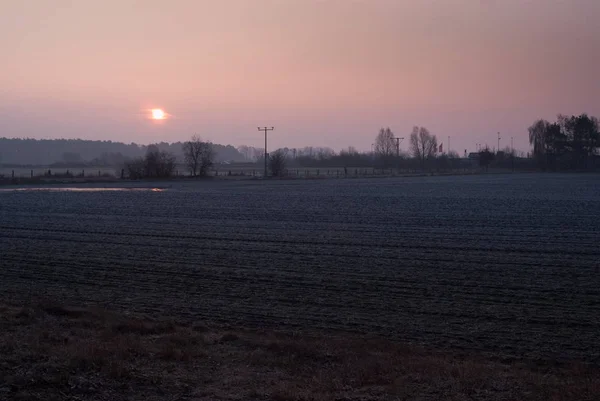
[(266, 154), (448, 144), (512, 154), (498, 150), (398, 140)]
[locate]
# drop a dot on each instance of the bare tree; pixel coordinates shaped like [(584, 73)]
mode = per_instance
[(198, 156), (244, 151), (277, 162), (156, 164), (423, 144), (250, 153), (166, 165), (136, 168), (351, 150), (385, 144), (325, 153), (537, 137), (151, 161), (207, 158)]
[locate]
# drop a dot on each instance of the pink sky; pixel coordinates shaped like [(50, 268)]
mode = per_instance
[(324, 73)]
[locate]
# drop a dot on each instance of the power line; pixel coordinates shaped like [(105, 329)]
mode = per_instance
[(266, 154)]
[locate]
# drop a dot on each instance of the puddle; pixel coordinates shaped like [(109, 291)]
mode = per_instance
[(46, 189)]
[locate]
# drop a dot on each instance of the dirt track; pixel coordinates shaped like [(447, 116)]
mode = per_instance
[(506, 264)]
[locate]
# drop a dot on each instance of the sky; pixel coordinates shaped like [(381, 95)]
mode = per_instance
[(322, 72)]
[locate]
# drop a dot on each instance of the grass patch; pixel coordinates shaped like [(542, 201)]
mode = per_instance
[(53, 352)]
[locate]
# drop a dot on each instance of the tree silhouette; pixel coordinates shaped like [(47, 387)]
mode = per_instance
[(537, 137), (156, 164), (198, 156), (385, 145), (278, 162), (571, 142), (486, 156), (423, 145)]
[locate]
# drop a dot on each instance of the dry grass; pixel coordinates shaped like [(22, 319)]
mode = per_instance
[(50, 352)]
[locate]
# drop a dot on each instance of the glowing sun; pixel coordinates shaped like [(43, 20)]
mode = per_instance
[(158, 114)]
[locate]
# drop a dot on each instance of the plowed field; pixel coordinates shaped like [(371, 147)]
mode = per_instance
[(508, 264)]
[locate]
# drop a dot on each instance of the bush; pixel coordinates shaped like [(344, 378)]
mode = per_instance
[(155, 164), (277, 163)]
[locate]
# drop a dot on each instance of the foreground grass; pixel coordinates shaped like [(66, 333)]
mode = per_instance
[(50, 352)]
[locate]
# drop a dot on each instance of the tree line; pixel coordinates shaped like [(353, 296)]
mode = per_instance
[(570, 142), (83, 153), (198, 155), (385, 154)]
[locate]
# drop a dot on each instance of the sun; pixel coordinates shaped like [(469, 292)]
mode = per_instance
[(158, 114)]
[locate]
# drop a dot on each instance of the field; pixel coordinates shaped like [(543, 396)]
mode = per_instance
[(505, 265), (52, 352)]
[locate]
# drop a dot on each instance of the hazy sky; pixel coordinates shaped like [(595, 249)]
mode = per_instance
[(323, 72)]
